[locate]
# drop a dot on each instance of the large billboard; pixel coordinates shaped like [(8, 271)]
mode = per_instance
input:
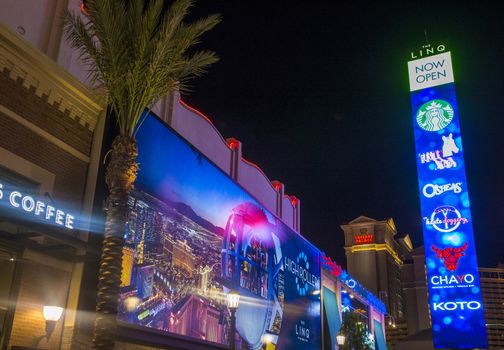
[(193, 235), (452, 268)]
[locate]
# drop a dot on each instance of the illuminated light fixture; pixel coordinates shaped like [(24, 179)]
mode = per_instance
[(52, 314), (391, 321), (131, 303), (233, 301), (340, 339), (267, 338), (233, 143), (375, 247)]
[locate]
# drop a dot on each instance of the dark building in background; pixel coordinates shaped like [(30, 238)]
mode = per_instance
[(386, 263), (492, 286), (415, 292)]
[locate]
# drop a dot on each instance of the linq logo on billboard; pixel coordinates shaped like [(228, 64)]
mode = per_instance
[(430, 71)]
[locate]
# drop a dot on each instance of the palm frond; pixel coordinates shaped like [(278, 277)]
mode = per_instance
[(139, 51)]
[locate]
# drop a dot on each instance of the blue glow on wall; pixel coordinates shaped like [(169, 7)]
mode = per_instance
[(452, 268)]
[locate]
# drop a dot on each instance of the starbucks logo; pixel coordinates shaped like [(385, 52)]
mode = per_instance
[(434, 115)]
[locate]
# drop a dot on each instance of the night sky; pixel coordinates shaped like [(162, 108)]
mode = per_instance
[(318, 94)]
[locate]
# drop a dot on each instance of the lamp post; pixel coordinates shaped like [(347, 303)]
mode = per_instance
[(391, 321), (340, 339), (52, 315), (233, 300)]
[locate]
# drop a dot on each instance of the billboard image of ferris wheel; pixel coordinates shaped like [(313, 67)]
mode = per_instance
[(192, 235)]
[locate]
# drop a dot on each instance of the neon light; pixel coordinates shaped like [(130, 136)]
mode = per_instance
[(434, 115), (192, 109), (431, 190), (364, 239), (450, 255), (332, 267), (30, 205), (452, 269)]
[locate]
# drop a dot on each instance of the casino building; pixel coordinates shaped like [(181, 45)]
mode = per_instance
[(377, 257), (492, 286), (365, 238), (53, 134)]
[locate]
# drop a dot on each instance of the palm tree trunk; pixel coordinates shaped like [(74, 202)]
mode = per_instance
[(120, 177)]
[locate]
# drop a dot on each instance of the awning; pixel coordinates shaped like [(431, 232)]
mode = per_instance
[(332, 315), (381, 344)]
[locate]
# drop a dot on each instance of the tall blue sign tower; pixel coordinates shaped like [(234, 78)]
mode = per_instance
[(452, 269)]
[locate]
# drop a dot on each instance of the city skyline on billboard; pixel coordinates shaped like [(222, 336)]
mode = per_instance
[(192, 235), (451, 263)]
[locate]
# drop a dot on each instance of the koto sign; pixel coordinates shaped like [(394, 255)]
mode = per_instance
[(452, 268)]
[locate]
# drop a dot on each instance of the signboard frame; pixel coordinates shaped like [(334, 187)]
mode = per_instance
[(451, 263)]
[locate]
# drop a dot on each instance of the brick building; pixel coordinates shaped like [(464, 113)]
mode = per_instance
[(50, 135)]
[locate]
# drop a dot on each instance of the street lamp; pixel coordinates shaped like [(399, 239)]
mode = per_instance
[(391, 321), (52, 315), (233, 300), (340, 339)]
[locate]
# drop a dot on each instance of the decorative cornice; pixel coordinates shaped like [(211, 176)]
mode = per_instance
[(375, 247), (40, 73)]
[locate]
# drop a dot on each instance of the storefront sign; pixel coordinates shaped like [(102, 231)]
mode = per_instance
[(25, 204), (364, 239), (430, 71), (452, 268), (431, 190)]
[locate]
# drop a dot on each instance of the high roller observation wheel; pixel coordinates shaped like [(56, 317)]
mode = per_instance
[(247, 222)]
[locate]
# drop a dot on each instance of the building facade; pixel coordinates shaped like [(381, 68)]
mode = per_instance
[(375, 257), (53, 138), (414, 284), (50, 140), (391, 268), (413, 329), (492, 287)]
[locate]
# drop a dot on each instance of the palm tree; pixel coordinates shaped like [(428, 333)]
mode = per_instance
[(137, 50), (356, 332)]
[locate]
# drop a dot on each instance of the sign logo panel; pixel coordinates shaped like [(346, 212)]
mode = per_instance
[(434, 115), (430, 71), (452, 268)]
